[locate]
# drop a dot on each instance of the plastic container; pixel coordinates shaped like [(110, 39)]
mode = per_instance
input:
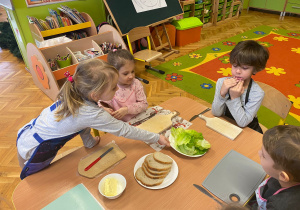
[(199, 6), (207, 1), (207, 7), (235, 7), (206, 20), (188, 30), (186, 14), (198, 12), (207, 14), (64, 62), (200, 17), (227, 14), (228, 4), (234, 13), (187, 7), (219, 18)]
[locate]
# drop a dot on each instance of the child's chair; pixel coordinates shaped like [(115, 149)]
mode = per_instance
[(276, 102), (146, 55)]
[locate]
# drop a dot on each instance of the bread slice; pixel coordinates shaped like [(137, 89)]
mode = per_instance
[(145, 180), (162, 158), (155, 172), (156, 166), (153, 176)]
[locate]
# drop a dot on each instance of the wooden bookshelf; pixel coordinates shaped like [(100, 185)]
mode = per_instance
[(89, 27), (66, 29)]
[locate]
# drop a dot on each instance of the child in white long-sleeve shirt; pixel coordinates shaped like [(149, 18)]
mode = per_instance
[(75, 112), (130, 98), (239, 97)]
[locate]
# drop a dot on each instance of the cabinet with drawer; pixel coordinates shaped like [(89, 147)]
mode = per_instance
[(273, 5), (282, 6), (292, 6)]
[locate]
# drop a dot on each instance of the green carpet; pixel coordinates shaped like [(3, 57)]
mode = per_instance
[(197, 72)]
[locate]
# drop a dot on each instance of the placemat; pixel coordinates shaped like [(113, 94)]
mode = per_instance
[(104, 163)]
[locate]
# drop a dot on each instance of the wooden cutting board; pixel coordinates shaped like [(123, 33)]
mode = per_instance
[(221, 126), (111, 158), (158, 123)]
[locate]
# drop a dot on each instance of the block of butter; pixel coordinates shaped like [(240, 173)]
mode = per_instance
[(111, 187)]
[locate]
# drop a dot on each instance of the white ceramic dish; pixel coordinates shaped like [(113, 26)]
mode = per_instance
[(120, 188), (172, 143), (169, 179)]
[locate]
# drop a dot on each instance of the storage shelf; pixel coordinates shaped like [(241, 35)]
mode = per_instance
[(187, 2), (65, 29), (50, 81)]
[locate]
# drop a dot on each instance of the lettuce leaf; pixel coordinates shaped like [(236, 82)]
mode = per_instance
[(189, 142)]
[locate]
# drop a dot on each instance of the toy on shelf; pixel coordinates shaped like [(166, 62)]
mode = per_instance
[(63, 61), (106, 47)]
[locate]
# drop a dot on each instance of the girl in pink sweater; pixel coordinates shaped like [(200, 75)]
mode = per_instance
[(130, 98)]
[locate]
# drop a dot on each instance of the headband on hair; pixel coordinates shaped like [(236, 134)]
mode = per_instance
[(69, 77)]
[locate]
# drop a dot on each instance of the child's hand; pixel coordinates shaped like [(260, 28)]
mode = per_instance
[(227, 84), (163, 141), (237, 90), (109, 110), (120, 113)]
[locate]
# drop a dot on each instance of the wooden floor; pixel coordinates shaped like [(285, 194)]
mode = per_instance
[(21, 100)]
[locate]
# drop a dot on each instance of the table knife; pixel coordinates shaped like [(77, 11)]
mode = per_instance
[(95, 161), (195, 116), (202, 189)]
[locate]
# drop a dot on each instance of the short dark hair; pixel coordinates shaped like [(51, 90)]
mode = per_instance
[(119, 58), (282, 143), (250, 53)]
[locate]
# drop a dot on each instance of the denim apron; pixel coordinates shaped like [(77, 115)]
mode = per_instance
[(45, 151), (254, 124)]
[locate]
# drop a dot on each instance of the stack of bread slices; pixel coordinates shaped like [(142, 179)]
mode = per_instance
[(155, 168)]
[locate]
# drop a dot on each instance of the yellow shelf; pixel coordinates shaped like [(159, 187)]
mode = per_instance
[(65, 29)]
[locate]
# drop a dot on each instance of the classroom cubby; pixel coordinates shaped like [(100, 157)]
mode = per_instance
[(226, 9), (212, 12), (50, 81)]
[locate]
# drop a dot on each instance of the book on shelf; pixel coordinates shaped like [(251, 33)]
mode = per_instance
[(77, 35), (72, 14), (66, 18), (36, 22), (54, 14)]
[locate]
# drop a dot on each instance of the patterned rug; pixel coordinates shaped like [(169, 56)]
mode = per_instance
[(198, 72)]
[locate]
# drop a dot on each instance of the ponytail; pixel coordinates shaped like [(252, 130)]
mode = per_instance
[(93, 75)]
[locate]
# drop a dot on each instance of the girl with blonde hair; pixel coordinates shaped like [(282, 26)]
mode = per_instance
[(76, 112)]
